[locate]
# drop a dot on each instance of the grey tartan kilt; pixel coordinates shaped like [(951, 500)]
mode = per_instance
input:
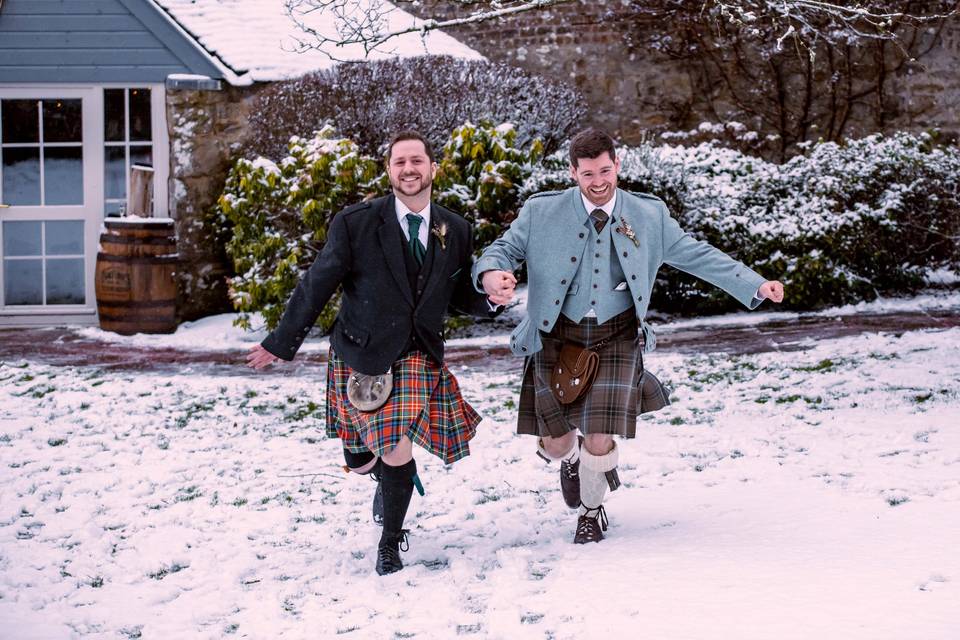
[(620, 390)]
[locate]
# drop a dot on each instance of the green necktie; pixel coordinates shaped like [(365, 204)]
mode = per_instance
[(417, 250)]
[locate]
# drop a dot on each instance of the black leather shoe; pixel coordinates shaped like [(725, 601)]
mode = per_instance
[(570, 480), (590, 526), (388, 552)]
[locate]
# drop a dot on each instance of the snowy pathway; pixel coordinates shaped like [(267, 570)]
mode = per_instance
[(801, 495)]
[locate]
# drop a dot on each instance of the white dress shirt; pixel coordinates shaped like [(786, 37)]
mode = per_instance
[(424, 231)]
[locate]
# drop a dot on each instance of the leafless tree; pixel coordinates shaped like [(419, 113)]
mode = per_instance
[(369, 24)]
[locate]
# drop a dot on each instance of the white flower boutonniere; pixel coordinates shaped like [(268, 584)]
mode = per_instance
[(626, 230), (441, 234)]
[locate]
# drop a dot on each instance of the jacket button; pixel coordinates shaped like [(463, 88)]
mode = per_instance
[(563, 281), (523, 348), (573, 258), (639, 297), (545, 323), (596, 255), (593, 302), (594, 286), (581, 235), (624, 254), (633, 277), (556, 302)]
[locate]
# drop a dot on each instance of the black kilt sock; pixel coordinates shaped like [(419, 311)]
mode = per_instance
[(397, 485)]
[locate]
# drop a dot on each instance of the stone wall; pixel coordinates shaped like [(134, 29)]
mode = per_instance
[(634, 90), (206, 129)]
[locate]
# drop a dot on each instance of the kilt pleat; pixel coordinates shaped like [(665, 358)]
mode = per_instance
[(425, 405), (611, 404)]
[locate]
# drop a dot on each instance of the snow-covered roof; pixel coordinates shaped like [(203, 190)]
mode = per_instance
[(256, 41)]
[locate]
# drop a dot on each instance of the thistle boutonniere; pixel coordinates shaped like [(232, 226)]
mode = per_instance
[(441, 234), (627, 230)]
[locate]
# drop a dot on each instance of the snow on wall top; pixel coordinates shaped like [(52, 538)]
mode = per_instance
[(256, 40)]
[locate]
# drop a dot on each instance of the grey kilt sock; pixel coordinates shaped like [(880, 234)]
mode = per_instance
[(593, 481)]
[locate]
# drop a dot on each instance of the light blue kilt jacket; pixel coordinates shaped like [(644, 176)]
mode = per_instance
[(551, 234)]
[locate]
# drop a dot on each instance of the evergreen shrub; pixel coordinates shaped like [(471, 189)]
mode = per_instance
[(279, 214)]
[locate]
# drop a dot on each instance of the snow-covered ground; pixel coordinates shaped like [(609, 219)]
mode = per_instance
[(814, 494)]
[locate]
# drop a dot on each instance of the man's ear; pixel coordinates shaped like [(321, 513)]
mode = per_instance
[(573, 173)]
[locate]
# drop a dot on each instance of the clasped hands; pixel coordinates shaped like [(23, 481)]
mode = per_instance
[(499, 286)]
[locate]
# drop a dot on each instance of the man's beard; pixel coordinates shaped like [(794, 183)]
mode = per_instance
[(424, 185)]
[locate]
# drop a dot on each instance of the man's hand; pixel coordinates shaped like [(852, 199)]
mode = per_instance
[(499, 286), (260, 358), (771, 290)]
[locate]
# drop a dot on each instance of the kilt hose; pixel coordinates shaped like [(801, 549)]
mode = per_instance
[(618, 392), (425, 405)]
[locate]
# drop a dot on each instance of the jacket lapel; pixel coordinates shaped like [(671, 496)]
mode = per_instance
[(390, 239), (436, 261)]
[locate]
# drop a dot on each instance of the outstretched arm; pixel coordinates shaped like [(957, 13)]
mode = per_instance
[(310, 296)]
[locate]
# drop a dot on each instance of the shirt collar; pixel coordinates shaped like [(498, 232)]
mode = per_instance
[(607, 208), (403, 210)]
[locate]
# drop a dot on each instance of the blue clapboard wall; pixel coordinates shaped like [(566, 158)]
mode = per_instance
[(92, 41)]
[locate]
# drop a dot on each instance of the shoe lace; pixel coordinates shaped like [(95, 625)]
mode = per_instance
[(569, 470), (590, 520)]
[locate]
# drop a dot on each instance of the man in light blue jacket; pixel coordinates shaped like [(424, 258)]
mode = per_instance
[(592, 254)]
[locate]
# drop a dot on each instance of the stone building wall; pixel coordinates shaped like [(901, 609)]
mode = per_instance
[(206, 129), (633, 90)]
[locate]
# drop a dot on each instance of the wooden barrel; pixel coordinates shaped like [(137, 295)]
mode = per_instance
[(136, 265)]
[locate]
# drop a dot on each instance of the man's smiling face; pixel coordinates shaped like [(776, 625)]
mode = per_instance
[(411, 171), (597, 177)]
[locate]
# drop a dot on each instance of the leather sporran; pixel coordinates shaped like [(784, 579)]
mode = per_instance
[(574, 372), (367, 392)]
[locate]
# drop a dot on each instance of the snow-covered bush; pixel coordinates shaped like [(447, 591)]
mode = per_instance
[(480, 176), (279, 213), (370, 101), (838, 224)]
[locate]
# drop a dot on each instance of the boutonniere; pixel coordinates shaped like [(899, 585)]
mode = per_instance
[(627, 230), (441, 234)]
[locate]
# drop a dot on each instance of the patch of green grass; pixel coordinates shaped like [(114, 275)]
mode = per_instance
[(791, 398), (164, 571), (96, 582), (97, 383), (56, 442), (922, 397), (189, 493), (239, 502), (894, 501), (823, 365), (676, 420)]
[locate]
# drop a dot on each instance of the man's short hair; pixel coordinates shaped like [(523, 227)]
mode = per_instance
[(410, 134), (590, 143)]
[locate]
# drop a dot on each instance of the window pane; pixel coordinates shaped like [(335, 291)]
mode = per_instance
[(65, 281), (62, 121), (141, 155), (113, 115), (115, 168), (23, 281), (111, 209), (21, 238), (63, 175), (64, 238), (21, 121), (140, 114), (21, 176)]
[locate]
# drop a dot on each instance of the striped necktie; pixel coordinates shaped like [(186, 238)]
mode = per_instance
[(599, 217)]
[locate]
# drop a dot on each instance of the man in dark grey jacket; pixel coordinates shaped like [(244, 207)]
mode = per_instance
[(402, 262)]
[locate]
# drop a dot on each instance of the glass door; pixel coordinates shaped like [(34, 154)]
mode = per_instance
[(50, 200)]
